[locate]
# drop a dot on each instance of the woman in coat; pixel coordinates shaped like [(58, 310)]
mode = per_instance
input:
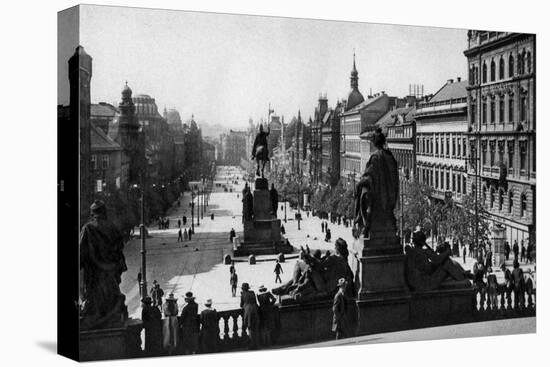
[(251, 315)]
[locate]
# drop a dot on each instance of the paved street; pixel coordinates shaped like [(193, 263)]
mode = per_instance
[(196, 265)]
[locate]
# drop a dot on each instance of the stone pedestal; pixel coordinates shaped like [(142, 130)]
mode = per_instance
[(113, 343), (262, 234)]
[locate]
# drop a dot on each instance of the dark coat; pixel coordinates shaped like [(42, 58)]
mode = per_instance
[(267, 310), (189, 319), (340, 314), (251, 314), (152, 324), (210, 330)]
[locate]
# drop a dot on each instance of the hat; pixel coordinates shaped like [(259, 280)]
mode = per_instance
[(96, 205), (154, 282), (262, 289), (147, 300), (171, 298), (245, 286), (189, 296), (341, 282), (208, 302)]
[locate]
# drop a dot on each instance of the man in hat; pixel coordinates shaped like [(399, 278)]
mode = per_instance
[(231, 235), (152, 324), (180, 236), (267, 314), (210, 329), (233, 280), (251, 316), (170, 324), (340, 307), (189, 325), (278, 270), (156, 294), (518, 283), (102, 263)]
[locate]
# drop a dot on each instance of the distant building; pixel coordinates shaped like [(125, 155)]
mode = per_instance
[(178, 131), (235, 148), (106, 162), (502, 128), (441, 141), (321, 116), (330, 145)]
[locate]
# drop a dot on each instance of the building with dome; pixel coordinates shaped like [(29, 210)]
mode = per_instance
[(359, 116)]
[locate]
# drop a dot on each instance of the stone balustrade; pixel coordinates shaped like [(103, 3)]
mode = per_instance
[(503, 302)]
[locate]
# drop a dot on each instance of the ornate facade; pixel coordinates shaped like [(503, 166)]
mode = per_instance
[(502, 128)]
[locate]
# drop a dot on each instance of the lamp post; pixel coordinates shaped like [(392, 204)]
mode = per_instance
[(143, 250), (192, 205), (474, 160)]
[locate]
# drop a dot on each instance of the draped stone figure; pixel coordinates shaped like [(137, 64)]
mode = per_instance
[(377, 191), (102, 263)]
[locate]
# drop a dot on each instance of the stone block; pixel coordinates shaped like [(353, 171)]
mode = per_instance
[(114, 343)]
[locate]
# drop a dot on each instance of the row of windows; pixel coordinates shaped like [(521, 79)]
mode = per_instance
[(489, 109), (399, 132), (447, 144), (353, 146), (352, 165), (352, 127), (499, 203), (489, 70), (494, 153), (444, 179), (100, 161)]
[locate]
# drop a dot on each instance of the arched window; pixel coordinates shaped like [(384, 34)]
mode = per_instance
[(523, 204), (500, 199), (491, 198), (521, 63), (484, 73), (511, 108), (511, 66), (493, 70), (510, 201), (501, 68)]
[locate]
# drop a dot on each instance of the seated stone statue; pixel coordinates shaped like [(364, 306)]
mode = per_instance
[(316, 277), (426, 269)]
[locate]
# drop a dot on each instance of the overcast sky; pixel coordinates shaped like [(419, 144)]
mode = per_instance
[(226, 68)]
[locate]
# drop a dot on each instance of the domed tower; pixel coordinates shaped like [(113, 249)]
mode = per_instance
[(354, 97), (129, 134)]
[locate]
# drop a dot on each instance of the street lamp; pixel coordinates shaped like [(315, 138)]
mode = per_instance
[(143, 250), (192, 206)]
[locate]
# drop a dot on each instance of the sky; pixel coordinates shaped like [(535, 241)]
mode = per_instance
[(225, 69)]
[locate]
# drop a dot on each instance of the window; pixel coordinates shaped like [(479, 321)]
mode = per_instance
[(528, 62), (501, 152), (491, 198), (492, 147), (454, 146), (447, 151), (458, 182), (473, 113), (493, 71), (464, 185), (500, 199), (510, 154), (105, 162), (501, 68), (454, 183), (484, 73), (436, 179), (521, 63), (523, 205), (492, 110), (484, 152), (441, 179), (511, 66), (94, 161), (484, 112), (523, 108), (464, 147), (511, 108), (522, 155), (501, 109), (447, 180), (510, 201)]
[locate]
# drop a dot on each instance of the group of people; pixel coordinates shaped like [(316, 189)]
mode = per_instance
[(164, 223), (523, 253), (189, 333), (184, 234)]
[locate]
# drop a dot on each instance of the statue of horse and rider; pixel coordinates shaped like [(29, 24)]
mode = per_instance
[(259, 151)]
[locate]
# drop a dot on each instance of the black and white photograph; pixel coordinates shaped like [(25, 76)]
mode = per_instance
[(251, 183)]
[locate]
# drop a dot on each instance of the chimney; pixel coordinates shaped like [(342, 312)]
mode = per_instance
[(450, 81)]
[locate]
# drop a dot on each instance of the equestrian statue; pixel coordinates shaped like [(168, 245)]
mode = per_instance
[(259, 151)]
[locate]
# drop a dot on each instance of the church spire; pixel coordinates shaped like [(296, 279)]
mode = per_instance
[(354, 78)]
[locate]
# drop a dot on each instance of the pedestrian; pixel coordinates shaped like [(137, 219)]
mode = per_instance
[(479, 281), (489, 260), (464, 254), (322, 227), (340, 324), (152, 323), (328, 235), (518, 284), (211, 216), (170, 337), (266, 300), (515, 250), (232, 267), (231, 235), (190, 232), (251, 317), (185, 235), (507, 250), (179, 223), (210, 328), (156, 294), (139, 281), (278, 270), (523, 251), (233, 281), (189, 325), (184, 220), (167, 223), (492, 290), (180, 236), (529, 252)]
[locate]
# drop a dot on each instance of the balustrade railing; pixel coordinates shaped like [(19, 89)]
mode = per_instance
[(232, 335), (503, 302)]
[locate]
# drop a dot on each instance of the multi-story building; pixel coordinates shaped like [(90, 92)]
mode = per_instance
[(400, 129), (178, 131), (235, 147), (441, 141), (502, 128), (330, 145), (321, 117), (106, 162)]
